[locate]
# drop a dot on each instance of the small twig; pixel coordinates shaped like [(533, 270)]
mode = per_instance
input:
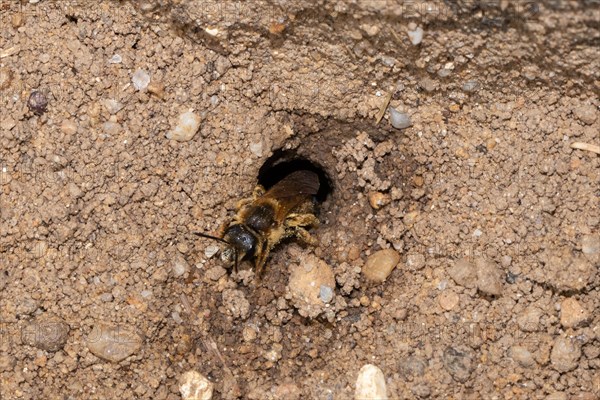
[(586, 146), (384, 106), (10, 51)]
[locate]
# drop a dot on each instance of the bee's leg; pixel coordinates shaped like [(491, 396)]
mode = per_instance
[(299, 220), (259, 190), (303, 235), (261, 259), (243, 202)]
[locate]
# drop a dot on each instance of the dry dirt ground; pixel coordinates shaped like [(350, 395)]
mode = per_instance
[(106, 294)]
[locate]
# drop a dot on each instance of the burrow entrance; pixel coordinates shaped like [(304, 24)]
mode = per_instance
[(284, 162)]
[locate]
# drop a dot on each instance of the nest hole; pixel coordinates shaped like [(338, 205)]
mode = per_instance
[(282, 163)]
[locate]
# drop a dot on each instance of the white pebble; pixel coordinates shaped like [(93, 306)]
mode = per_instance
[(194, 386), (399, 120), (140, 79), (325, 293), (257, 148), (112, 106), (186, 128), (370, 384), (115, 59), (210, 250), (416, 35)]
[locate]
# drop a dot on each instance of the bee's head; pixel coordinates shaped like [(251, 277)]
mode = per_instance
[(242, 243)]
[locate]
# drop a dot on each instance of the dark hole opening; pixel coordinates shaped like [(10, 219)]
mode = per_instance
[(282, 163)]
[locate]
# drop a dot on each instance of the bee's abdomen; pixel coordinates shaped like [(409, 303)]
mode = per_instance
[(260, 218)]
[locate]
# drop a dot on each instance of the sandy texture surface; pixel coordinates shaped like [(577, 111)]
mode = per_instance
[(106, 293)]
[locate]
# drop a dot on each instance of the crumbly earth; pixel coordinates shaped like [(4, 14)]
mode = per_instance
[(495, 216)]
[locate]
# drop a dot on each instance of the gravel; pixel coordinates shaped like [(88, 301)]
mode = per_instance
[(47, 333), (113, 343), (370, 384), (194, 386), (572, 313), (380, 265), (398, 119), (459, 362), (565, 354), (186, 128), (140, 79)]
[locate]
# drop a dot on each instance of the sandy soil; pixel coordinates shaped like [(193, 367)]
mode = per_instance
[(106, 293)]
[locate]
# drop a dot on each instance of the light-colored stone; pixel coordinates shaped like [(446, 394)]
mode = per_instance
[(308, 282), (463, 273), (489, 277), (572, 313), (448, 300), (187, 126), (380, 265), (113, 343), (194, 386), (522, 356), (565, 354), (370, 384)]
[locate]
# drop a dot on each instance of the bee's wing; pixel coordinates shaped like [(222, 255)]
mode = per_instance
[(293, 190)]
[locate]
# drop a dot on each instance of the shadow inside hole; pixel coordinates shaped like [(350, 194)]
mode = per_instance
[(283, 163)]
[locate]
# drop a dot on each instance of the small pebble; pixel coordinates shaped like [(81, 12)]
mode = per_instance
[(8, 123), (157, 89), (370, 384), (236, 304), (529, 319), (194, 386), (459, 362), (17, 20), (399, 120), (590, 244), (470, 86), (68, 127), (415, 261), (378, 199), (463, 273), (415, 35), (6, 77), (180, 265), (305, 285), (211, 250), (325, 293), (37, 103), (565, 354), (111, 128), (113, 343), (586, 113), (46, 333), (140, 79), (187, 126), (448, 300), (522, 356), (380, 264), (428, 84), (557, 396), (112, 106), (572, 313), (115, 59), (489, 277), (412, 366)]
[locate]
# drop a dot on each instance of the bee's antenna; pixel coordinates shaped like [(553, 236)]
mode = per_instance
[(235, 253), (211, 237)]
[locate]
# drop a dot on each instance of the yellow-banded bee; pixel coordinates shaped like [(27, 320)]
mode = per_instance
[(265, 219)]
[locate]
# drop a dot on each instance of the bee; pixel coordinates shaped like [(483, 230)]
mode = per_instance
[(266, 218)]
